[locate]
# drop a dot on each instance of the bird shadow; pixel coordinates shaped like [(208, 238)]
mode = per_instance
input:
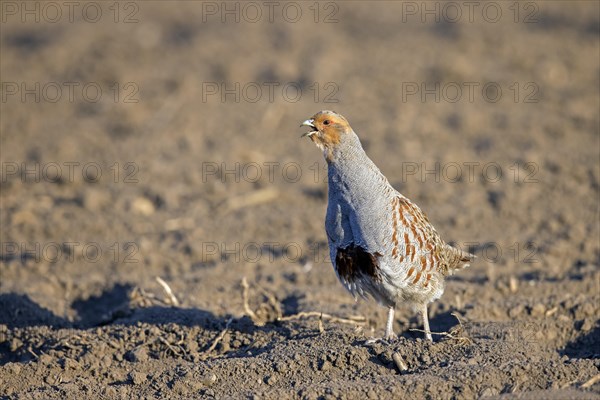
[(101, 309), (19, 311), (111, 308), (584, 346)]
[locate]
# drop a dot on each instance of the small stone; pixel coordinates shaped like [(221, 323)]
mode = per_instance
[(106, 361), (225, 343), (513, 284), (271, 380), (192, 346), (339, 361), (15, 344), (96, 199), (24, 217), (488, 392), (588, 324), (71, 364), (142, 206), (14, 368), (516, 311), (154, 331), (137, 355), (587, 309), (280, 367), (45, 359), (137, 377), (110, 392), (549, 336), (3, 331), (208, 379), (325, 366), (538, 310), (117, 376), (425, 358)]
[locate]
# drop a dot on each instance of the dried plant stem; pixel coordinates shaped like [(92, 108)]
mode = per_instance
[(168, 291), (591, 382), (219, 337), (354, 320), (247, 308)]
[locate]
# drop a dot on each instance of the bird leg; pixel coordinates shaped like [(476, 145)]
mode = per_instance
[(426, 323), (389, 327)]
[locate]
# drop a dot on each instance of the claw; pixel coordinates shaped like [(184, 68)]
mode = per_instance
[(387, 339)]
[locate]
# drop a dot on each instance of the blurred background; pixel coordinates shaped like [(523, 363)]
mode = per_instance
[(145, 139)]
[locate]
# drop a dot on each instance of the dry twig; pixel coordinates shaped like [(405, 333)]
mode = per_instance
[(591, 382), (247, 308), (273, 306), (267, 311), (218, 338), (354, 319), (400, 364), (456, 333), (140, 298), (168, 291), (169, 346)]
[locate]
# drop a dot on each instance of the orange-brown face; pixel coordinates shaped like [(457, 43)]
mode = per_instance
[(327, 128)]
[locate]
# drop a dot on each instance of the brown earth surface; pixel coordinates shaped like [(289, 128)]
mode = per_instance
[(186, 167)]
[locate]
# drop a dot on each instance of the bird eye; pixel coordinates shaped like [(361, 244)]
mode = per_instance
[(326, 122)]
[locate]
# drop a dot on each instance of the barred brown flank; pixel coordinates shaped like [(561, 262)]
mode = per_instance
[(418, 236), (417, 278), (413, 229), (395, 228), (427, 279), (401, 210)]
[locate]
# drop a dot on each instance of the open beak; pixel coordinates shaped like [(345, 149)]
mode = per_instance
[(311, 124)]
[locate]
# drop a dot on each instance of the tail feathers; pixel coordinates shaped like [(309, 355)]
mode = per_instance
[(458, 259)]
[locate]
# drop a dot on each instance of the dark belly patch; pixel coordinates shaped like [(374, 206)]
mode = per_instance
[(354, 261)]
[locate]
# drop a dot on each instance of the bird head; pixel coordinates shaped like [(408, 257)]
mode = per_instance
[(327, 129)]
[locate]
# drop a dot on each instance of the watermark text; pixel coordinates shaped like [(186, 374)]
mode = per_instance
[(253, 92), (53, 12), (69, 172), (70, 92), (270, 11)]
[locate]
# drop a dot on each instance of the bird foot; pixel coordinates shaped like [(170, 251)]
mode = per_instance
[(387, 339)]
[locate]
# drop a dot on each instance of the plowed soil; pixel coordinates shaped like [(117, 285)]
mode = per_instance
[(162, 223)]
